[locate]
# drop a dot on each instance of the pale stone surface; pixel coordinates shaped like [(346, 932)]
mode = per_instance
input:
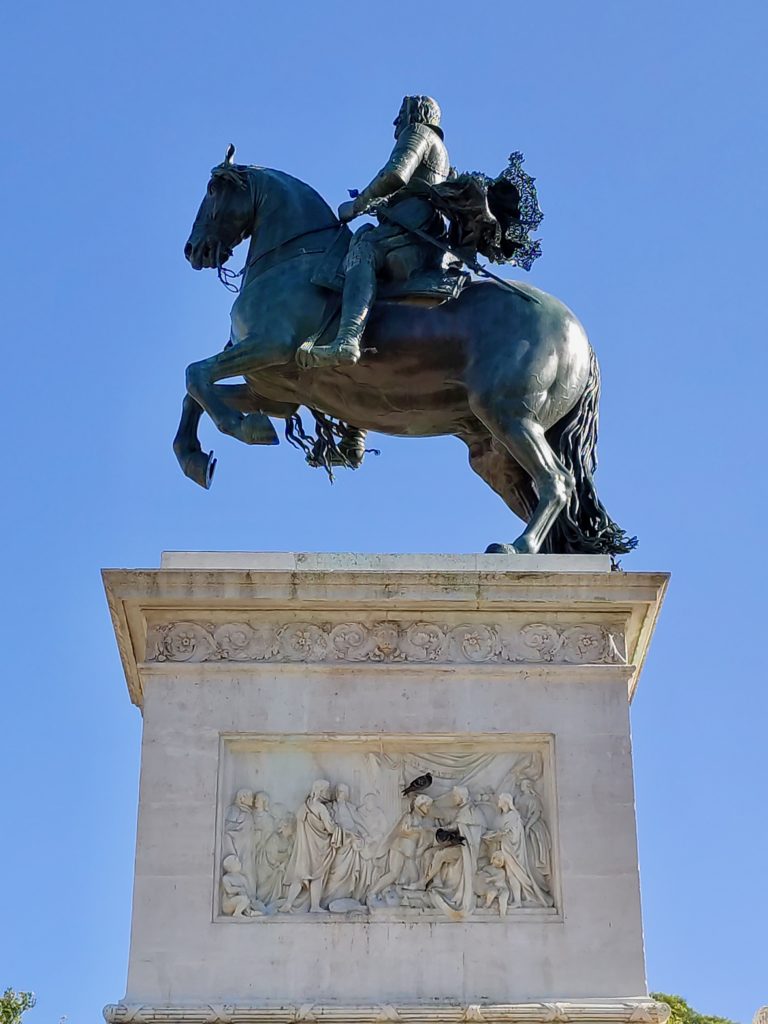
[(310, 561), (212, 726), (594, 1011)]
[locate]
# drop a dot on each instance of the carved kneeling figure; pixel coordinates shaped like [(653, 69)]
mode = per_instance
[(235, 900)]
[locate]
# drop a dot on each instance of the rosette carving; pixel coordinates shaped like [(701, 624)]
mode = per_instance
[(474, 642), (537, 642), (302, 641), (185, 641), (584, 645)]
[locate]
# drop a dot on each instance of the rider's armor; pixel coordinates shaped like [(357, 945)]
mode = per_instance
[(387, 249)]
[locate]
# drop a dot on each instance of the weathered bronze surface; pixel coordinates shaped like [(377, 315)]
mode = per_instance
[(510, 373)]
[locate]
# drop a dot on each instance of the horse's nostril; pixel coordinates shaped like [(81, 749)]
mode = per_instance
[(188, 250)]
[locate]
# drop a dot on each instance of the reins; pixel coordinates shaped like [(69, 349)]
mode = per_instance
[(229, 277)]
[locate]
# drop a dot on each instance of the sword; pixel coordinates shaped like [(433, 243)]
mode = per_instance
[(470, 261)]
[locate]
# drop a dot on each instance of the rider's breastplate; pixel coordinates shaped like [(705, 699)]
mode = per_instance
[(434, 165)]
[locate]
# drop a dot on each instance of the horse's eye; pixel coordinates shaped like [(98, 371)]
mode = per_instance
[(211, 189)]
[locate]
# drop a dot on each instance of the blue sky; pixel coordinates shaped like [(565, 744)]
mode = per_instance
[(645, 127)]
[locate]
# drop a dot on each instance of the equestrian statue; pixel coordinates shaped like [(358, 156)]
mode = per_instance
[(399, 328)]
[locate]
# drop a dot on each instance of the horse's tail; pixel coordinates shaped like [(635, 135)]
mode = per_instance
[(584, 526)]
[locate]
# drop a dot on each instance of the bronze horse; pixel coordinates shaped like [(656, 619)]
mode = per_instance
[(515, 380)]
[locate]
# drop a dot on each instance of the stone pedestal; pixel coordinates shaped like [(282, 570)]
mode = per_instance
[(288, 700)]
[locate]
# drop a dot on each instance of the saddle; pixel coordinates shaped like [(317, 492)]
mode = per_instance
[(428, 287)]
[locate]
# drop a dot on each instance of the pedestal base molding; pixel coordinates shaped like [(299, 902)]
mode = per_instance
[(624, 1011)]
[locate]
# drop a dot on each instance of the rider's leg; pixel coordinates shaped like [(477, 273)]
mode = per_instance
[(359, 293)]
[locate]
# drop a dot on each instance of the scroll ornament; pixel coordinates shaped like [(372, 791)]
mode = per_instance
[(392, 642)]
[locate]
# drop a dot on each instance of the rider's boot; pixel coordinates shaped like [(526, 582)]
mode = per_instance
[(359, 293)]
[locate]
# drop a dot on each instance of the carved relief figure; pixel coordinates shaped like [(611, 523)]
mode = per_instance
[(239, 835), (491, 884), (317, 839), (235, 899), (537, 838), (345, 877), (405, 844), (512, 844), (277, 852), (452, 862), (374, 825), (263, 828)]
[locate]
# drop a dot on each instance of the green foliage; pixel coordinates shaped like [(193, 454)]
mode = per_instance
[(13, 1004), (682, 1013)]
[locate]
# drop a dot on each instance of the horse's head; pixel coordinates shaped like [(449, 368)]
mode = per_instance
[(225, 216)]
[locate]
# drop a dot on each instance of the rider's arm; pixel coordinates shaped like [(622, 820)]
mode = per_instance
[(409, 151)]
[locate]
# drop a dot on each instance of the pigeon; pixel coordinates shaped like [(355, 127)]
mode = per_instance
[(450, 837), (418, 784)]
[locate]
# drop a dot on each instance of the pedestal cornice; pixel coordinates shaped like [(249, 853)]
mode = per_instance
[(483, 611)]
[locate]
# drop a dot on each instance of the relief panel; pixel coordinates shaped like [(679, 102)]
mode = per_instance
[(385, 828)]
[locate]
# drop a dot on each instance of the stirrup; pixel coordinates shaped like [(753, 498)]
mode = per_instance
[(309, 355)]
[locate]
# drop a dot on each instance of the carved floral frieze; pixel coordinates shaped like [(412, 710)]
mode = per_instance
[(388, 641)]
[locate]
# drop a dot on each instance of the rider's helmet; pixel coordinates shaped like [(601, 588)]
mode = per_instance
[(419, 110)]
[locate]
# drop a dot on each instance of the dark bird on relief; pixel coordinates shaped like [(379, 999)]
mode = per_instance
[(421, 783), (450, 837)]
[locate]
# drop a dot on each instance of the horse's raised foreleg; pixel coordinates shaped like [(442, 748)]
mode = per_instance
[(197, 464), (523, 438), (248, 427)]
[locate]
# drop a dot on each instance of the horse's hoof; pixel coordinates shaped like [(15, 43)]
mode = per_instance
[(255, 428), (500, 549), (199, 466)]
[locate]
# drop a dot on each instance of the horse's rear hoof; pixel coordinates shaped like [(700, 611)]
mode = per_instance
[(199, 466), (500, 549)]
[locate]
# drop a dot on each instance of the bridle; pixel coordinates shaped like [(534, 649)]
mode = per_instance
[(229, 278)]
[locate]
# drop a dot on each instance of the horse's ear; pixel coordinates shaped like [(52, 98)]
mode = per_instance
[(229, 159)]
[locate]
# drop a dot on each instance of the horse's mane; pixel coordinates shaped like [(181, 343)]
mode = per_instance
[(239, 174), (296, 184)]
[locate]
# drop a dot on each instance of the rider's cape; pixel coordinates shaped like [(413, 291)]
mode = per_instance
[(491, 216)]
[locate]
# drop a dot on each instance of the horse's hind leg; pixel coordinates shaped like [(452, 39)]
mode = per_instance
[(523, 437), (498, 469)]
